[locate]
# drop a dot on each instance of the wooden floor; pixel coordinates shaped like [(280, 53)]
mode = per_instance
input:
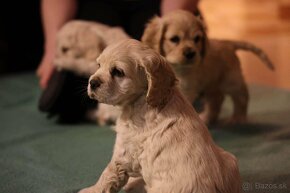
[(266, 23)]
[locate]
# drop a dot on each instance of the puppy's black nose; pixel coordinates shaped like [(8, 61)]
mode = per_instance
[(95, 83), (189, 54)]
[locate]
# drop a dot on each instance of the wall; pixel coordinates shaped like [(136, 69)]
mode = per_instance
[(266, 23)]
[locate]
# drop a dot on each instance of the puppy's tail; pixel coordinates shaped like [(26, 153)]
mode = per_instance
[(241, 45)]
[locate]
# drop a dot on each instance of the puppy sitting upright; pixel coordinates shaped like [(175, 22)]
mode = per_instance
[(160, 138), (211, 68)]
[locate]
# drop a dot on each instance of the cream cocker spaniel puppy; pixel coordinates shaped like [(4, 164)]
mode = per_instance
[(210, 68), (161, 143), (79, 43)]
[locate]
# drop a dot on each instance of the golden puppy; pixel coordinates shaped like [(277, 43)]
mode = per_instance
[(79, 43), (161, 142), (211, 68)]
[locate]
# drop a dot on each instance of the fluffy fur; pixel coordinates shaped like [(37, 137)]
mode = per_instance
[(161, 144), (209, 68)]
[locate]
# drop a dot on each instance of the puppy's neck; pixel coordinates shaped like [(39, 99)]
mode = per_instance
[(140, 114), (134, 107), (132, 114)]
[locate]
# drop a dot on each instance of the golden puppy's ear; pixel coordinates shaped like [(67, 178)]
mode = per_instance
[(204, 40), (161, 80), (153, 34)]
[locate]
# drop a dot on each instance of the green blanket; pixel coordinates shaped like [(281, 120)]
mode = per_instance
[(39, 156)]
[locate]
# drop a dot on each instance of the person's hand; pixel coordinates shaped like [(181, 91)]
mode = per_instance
[(54, 14), (45, 69), (170, 5)]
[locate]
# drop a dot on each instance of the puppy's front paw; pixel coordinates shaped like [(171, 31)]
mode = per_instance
[(85, 190), (89, 190)]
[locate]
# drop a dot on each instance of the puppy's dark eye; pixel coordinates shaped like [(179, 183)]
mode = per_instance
[(196, 39), (175, 39), (64, 49), (117, 72)]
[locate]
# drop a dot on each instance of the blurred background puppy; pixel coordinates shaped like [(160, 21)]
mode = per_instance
[(79, 43), (204, 67)]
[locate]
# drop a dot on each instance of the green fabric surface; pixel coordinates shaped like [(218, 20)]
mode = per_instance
[(39, 156)]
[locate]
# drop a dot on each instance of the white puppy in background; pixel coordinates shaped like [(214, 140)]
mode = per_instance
[(161, 144), (79, 43)]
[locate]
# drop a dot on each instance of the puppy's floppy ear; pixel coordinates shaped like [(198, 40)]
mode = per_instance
[(153, 34), (204, 40), (161, 79)]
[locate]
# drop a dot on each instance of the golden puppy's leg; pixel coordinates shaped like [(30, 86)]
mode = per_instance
[(113, 178), (240, 99), (213, 103), (135, 185)]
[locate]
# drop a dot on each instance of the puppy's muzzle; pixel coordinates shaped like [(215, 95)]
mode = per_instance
[(188, 53), (95, 83)]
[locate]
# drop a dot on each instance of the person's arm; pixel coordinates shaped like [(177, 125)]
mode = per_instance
[(170, 5), (55, 13)]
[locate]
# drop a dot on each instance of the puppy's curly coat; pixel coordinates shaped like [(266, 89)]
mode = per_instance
[(211, 68), (161, 144)]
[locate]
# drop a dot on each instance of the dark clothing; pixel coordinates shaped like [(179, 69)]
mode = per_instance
[(21, 37), (132, 15)]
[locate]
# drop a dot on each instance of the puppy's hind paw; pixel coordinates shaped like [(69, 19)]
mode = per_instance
[(207, 119), (105, 121)]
